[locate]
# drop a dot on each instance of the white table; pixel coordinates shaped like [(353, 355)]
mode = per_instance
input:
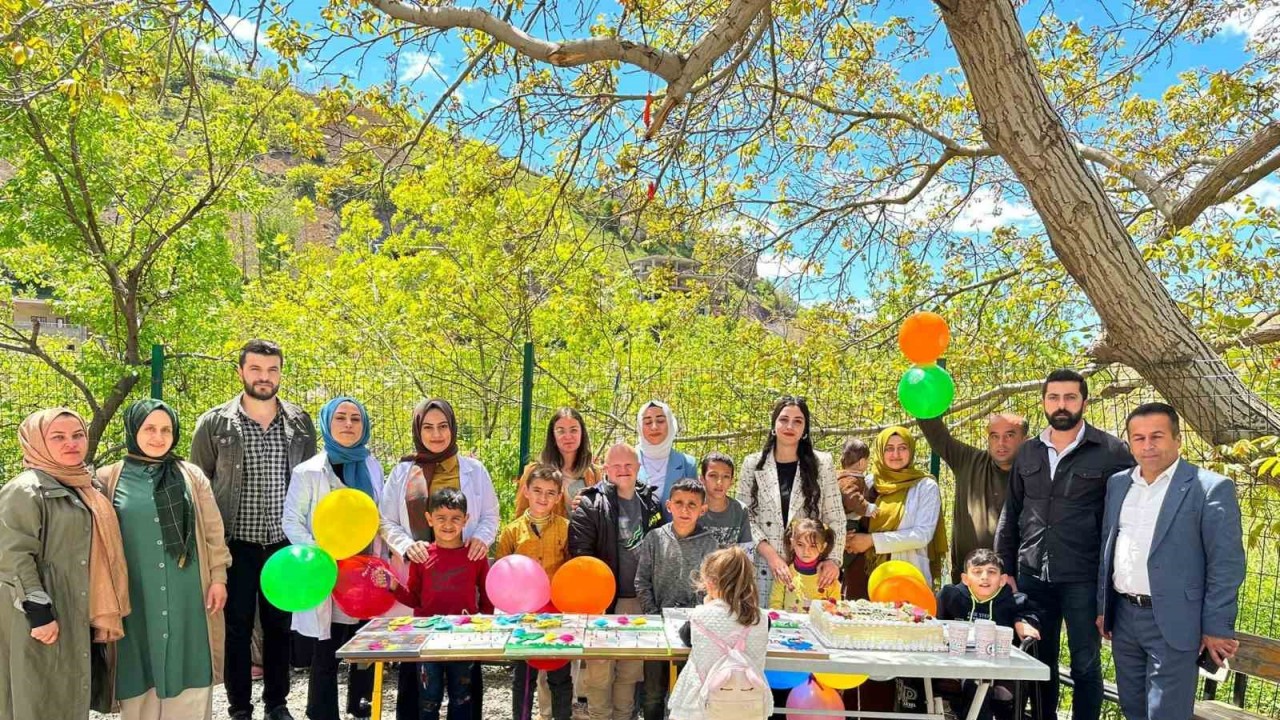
[(888, 665)]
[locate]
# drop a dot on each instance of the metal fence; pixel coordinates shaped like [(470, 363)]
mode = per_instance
[(720, 404)]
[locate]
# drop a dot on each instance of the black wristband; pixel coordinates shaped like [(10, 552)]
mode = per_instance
[(38, 614)]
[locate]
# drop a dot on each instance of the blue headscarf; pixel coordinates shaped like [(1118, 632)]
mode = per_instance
[(357, 473)]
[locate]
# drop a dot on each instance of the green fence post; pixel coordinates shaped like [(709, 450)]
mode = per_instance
[(935, 462), (526, 405), (157, 372)]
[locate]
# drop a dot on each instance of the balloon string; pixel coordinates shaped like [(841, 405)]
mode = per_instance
[(526, 708)]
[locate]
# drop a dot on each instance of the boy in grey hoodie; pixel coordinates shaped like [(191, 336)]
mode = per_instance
[(669, 555)]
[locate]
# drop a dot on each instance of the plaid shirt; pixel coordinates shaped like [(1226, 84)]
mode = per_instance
[(266, 479)]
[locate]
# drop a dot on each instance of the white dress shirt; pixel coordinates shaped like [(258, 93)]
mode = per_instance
[(1138, 517), (1054, 455)]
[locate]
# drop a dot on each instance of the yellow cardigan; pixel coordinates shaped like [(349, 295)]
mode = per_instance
[(551, 549), (780, 598)]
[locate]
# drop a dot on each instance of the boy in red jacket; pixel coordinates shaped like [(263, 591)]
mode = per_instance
[(447, 584)]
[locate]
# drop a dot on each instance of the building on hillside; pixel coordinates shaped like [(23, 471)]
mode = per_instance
[(28, 312)]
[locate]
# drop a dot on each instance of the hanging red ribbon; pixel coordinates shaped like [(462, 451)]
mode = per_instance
[(648, 109), (653, 189)]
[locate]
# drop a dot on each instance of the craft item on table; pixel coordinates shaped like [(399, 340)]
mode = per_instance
[(626, 635), (544, 642), (787, 620), (795, 643), (490, 643), (866, 625), (672, 620), (383, 644)]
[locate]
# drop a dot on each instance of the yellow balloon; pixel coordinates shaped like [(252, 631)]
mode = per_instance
[(886, 570), (840, 682), (345, 522)]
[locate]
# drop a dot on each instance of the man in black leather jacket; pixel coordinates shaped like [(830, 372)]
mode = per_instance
[(1051, 532)]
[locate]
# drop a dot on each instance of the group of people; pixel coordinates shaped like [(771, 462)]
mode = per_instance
[(136, 588)]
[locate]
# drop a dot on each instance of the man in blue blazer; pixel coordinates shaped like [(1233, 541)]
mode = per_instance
[(1172, 565)]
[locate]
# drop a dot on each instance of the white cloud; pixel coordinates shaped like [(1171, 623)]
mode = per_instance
[(987, 210), (1257, 25), (242, 29), (417, 65), (771, 265), (983, 212), (1266, 193)]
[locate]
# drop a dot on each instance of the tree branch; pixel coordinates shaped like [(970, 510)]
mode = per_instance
[(730, 27), (1234, 173), (1141, 180), (565, 53)]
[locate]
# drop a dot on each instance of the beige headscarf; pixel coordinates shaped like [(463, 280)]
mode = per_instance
[(108, 577)]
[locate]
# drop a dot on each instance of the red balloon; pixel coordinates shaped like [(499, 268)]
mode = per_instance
[(550, 607), (355, 592), (547, 665)]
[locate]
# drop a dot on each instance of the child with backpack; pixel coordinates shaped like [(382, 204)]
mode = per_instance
[(729, 635)]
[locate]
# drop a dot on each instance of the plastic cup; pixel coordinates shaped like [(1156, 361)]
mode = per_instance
[(1004, 641), (984, 636), (957, 637)]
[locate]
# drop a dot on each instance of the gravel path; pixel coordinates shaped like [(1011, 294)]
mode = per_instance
[(497, 696)]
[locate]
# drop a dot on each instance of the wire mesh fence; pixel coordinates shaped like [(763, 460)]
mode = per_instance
[(720, 405)]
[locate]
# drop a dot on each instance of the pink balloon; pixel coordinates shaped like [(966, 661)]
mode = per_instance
[(518, 584), (813, 696)]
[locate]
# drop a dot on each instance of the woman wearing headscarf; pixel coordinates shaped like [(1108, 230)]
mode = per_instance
[(660, 465), (172, 652), (789, 480), (434, 465), (343, 462), (65, 589), (906, 517)]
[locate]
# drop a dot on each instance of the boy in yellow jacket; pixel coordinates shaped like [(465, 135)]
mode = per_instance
[(542, 534)]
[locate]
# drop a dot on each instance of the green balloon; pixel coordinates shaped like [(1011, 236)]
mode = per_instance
[(299, 577), (926, 391)]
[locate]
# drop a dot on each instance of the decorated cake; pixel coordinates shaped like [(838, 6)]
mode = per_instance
[(865, 625)]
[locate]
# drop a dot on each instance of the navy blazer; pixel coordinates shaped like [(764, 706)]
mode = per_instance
[(679, 467), (1196, 564)]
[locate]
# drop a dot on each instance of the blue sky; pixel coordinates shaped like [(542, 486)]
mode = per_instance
[(429, 73)]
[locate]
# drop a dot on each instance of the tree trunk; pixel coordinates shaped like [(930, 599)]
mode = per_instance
[(1145, 328)]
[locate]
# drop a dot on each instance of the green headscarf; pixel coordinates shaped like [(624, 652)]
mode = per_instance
[(177, 518)]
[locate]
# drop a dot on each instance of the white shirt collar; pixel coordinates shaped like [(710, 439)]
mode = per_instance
[(1046, 435), (1165, 475)]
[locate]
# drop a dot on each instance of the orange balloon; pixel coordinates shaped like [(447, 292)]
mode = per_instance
[(905, 588), (924, 337), (583, 585)]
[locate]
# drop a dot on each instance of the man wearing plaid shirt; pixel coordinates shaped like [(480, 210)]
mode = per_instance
[(248, 449)]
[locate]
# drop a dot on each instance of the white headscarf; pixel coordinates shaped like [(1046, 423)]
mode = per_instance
[(653, 458)]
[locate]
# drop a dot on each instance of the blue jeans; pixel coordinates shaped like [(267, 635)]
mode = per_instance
[(1077, 604), (457, 676)]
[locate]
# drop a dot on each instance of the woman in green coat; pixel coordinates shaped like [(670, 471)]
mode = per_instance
[(63, 583), (171, 654)]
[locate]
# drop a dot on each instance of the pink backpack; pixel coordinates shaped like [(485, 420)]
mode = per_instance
[(731, 688)]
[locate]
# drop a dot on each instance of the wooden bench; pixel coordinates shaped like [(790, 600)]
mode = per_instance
[(1258, 657)]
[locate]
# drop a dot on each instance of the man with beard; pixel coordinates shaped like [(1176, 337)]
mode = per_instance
[(248, 449), (1051, 532)]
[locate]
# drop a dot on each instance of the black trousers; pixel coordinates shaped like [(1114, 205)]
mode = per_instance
[(409, 683), (244, 597), (322, 686), (524, 686)]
